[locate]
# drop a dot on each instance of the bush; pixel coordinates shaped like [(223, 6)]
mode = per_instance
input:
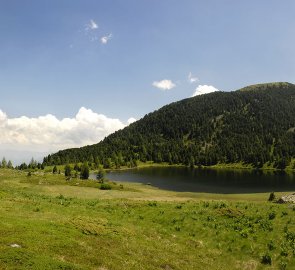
[(271, 197), (54, 170), (283, 265), (271, 246), (266, 259), (100, 175), (271, 215), (84, 171), (105, 187), (68, 170)]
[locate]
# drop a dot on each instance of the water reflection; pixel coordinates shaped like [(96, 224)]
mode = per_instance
[(208, 180)]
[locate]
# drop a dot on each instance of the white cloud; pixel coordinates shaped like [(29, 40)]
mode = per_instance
[(90, 30), (131, 120), (164, 84), (49, 134), (92, 25), (204, 89), (191, 78), (105, 39)]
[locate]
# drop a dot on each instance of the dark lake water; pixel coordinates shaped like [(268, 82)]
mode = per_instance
[(208, 180)]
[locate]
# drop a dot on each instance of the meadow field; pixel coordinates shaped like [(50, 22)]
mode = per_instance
[(48, 222)]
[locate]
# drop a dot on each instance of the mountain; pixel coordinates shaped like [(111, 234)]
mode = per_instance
[(253, 125)]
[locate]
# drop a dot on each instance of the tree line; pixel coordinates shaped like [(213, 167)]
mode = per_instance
[(255, 125)]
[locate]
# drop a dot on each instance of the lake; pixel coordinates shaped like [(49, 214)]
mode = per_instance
[(207, 180)]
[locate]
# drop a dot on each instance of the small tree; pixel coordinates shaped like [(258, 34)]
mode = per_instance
[(54, 170), (33, 164), (9, 165), (84, 171), (4, 163), (77, 168), (272, 197), (68, 170), (100, 175)]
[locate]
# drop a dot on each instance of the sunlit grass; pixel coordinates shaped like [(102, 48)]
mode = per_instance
[(61, 225)]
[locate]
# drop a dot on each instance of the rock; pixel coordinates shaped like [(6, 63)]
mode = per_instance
[(287, 199), (15, 246)]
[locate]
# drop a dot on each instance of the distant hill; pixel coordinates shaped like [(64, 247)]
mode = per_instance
[(253, 125)]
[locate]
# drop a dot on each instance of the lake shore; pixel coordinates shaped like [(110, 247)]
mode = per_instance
[(219, 166)]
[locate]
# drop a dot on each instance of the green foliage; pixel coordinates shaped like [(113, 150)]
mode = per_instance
[(68, 170), (9, 165), (266, 259), (4, 163), (84, 171), (59, 227), (271, 215), (271, 197), (105, 186), (253, 126), (54, 170), (100, 175), (271, 245)]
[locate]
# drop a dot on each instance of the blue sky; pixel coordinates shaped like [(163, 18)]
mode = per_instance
[(53, 61)]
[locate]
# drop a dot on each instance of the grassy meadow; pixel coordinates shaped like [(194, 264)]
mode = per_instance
[(50, 223)]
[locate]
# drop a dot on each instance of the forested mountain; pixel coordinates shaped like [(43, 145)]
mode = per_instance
[(253, 125)]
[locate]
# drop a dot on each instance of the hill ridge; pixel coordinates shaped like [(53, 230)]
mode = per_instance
[(246, 126)]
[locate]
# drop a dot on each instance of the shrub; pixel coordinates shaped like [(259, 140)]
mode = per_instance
[(271, 197), (54, 170), (152, 204), (283, 265), (271, 245), (284, 213), (266, 259), (105, 187), (84, 171), (68, 170), (100, 175), (271, 215)]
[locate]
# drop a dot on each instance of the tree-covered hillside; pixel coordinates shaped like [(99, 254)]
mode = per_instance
[(254, 125)]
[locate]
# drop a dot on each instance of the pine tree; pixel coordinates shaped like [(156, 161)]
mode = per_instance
[(9, 165), (4, 163), (84, 171), (68, 170), (54, 170)]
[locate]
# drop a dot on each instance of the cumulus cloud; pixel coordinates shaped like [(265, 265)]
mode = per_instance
[(48, 133), (105, 39), (164, 84), (204, 89), (191, 78), (131, 120)]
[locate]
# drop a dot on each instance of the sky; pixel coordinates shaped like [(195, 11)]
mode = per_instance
[(74, 71)]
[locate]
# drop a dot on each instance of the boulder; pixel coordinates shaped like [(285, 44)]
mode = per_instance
[(287, 199)]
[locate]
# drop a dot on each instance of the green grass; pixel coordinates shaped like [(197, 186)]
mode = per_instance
[(62, 225), (230, 166)]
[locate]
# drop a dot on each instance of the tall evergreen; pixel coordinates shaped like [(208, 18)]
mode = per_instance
[(84, 171)]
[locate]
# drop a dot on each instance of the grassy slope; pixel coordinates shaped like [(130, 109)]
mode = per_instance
[(63, 226)]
